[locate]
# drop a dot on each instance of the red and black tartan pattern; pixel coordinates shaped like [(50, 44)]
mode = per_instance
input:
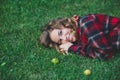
[(98, 36)]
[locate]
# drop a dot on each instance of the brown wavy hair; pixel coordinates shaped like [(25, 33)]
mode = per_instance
[(55, 24)]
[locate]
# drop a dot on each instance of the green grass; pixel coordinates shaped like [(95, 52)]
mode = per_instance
[(21, 58)]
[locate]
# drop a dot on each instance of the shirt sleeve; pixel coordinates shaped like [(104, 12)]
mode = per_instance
[(101, 42), (108, 23), (102, 52), (76, 49), (98, 34)]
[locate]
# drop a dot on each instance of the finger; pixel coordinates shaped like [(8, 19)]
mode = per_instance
[(66, 52), (62, 51), (61, 46)]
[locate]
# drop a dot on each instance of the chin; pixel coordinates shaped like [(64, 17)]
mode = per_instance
[(74, 39)]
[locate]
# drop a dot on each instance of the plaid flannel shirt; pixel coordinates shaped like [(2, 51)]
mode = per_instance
[(98, 36)]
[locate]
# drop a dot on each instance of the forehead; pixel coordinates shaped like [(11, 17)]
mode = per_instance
[(54, 35)]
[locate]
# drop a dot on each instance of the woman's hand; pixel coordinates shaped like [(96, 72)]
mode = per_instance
[(64, 47)]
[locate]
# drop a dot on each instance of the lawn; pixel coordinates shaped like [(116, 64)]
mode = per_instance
[(22, 58)]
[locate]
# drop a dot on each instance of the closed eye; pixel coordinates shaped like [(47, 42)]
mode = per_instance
[(60, 33)]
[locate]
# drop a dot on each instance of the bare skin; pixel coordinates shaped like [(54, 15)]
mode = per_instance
[(64, 37)]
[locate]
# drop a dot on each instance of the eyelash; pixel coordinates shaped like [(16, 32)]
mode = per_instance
[(60, 32)]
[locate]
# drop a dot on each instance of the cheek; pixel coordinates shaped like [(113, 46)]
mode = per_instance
[(64, 41)]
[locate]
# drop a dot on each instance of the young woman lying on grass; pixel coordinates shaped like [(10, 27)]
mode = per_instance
[(93, 35)]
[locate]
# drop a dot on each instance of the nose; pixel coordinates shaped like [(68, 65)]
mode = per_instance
[(63, 37)]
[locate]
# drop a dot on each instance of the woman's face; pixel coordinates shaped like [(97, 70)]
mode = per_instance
[(63, 35)]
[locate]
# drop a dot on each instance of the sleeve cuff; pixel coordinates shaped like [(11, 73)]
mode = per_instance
[(70, 48)]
